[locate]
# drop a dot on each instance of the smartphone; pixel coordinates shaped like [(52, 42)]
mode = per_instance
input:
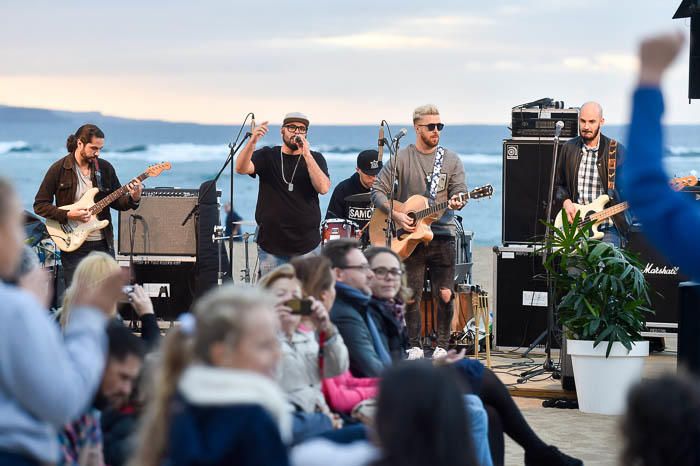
[(299, 306)]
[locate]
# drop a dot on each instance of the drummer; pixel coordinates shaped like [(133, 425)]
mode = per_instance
[(358, 208)]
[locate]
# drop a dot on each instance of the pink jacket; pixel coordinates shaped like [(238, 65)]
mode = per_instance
[(344, 391)]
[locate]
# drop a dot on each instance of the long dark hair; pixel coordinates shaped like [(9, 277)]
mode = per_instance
[(85, 134), (421, 417)]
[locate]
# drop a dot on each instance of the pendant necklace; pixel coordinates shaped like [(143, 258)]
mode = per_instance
[(290, 184)]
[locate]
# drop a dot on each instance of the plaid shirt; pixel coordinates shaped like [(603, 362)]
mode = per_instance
[(82, 434), (590, 185)]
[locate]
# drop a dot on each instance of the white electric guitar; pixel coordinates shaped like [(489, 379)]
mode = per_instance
[(593, 214), (71, 235)]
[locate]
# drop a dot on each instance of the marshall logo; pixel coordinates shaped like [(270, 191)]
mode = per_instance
[(653, 269), (374, 164)]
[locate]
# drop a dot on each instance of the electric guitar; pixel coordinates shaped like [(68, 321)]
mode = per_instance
[(71, 235), (423, 214), (593, 214)]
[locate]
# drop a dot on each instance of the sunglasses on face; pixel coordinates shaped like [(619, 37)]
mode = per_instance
[(296, 129), (432, 126)]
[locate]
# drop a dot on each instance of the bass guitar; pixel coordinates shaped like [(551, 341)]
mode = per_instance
[(595, 213), (423, 214), (71, 235)]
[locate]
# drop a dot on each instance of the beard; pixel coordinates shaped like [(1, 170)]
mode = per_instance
[(290, 144), (428, 140), (591, 136)]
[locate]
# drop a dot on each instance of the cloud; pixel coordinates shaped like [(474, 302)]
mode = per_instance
[(371, 41), (454, 20), (611, 62)]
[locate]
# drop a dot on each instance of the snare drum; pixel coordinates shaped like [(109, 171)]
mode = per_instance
[(336, 228)]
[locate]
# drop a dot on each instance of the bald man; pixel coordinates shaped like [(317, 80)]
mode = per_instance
[(582, 171)]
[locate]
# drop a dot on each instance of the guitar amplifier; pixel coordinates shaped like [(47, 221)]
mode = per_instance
[(155, 228), (540, 122)]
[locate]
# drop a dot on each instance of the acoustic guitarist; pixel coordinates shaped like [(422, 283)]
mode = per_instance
[(69, 178), (586, 169), (427, 169)]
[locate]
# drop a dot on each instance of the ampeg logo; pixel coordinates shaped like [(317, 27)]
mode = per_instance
[(511, 152), (653, 269)]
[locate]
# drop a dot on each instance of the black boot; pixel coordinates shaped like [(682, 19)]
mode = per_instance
[(550, 456)]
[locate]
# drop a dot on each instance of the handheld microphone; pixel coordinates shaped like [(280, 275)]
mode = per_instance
[(558, 128), (380, 148), (404, 132), (297, 140)]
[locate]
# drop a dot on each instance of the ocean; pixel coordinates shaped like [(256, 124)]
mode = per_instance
[(198, 151)]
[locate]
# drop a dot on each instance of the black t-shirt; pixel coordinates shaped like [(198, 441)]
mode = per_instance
[(288, 221), (358, 212)]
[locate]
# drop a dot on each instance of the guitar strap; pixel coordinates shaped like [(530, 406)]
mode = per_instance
[(612, 164), (435, 176), (98, 175)]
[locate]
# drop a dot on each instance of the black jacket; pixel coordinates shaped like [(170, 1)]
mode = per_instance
[(61, 183), (566, 183)]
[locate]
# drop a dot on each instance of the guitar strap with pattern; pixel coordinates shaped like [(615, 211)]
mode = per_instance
[(612, 164), (435, 177)]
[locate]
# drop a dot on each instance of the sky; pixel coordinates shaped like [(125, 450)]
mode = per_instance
[(358, 62)]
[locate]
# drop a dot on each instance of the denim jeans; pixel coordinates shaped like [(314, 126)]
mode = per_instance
[(479, 428), (268, 261), (439, 257)]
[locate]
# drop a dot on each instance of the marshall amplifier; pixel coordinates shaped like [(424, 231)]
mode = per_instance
[(540, 122), (663, 278)]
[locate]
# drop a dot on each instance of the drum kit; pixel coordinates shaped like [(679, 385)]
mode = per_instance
[(336, 228)]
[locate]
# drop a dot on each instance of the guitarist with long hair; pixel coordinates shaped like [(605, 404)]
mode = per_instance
[(69, 178), (586, 169), (426, 168)]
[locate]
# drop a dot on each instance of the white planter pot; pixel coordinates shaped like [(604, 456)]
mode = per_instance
[(602, 383)]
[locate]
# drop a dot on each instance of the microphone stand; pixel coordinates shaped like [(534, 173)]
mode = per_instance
[(233, 149), (548, 365), (390, 227)]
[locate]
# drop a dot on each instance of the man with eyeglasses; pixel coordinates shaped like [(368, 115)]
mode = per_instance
[(428, 169), (291, 178), (365, 331)]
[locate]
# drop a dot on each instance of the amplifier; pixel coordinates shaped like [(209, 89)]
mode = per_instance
[(540, 122), (156, 226)]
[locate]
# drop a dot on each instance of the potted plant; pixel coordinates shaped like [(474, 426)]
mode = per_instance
[(603, 306)]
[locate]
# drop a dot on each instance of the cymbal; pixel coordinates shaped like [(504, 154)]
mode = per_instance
[(245, 222), (360, 197)]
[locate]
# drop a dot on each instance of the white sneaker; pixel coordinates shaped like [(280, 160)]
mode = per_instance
[(439, 352), (414, 353)]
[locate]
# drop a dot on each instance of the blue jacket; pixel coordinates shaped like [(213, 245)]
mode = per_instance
[(670, 220), (46, 379), (226, 417)]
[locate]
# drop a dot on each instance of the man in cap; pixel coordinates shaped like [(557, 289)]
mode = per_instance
[(359, 211), (291, 178)]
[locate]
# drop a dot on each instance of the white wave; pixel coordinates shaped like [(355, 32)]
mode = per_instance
[(7, 146), (682, 150), (175, 153), (481, 159)]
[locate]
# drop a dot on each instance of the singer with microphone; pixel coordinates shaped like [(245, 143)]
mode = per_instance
[(291, 177), (584, 172), (427, 169)]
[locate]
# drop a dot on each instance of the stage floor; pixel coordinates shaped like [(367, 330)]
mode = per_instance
[(593, 438)]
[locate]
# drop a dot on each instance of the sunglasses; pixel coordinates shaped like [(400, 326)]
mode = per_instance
[(432, 126)]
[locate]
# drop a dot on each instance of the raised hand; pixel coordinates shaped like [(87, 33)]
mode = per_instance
[(656, 54), (259, 132)]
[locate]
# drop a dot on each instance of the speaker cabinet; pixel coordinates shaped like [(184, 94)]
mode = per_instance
[(689, 327), (156, 226), (520, 298), (527, 165)]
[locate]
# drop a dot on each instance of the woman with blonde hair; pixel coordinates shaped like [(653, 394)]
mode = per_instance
[(216, 401)]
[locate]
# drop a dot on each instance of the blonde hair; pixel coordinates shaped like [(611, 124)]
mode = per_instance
[(423, 110), (283, 271), (91, 271), (221, 315)]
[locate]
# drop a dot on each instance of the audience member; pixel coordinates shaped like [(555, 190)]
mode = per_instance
[(303, 366), (32, 278), (216, 400), (344, 391), (420, 420), (661, 424), (670, 219), (82, 439), (46, 379), (90, 271)]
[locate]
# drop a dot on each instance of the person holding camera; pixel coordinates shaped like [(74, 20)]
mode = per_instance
[(291, 178), (303, 366)]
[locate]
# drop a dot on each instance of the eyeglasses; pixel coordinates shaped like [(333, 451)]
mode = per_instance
[(432, 126), (363, 267), (296, 129), (383, 272)]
